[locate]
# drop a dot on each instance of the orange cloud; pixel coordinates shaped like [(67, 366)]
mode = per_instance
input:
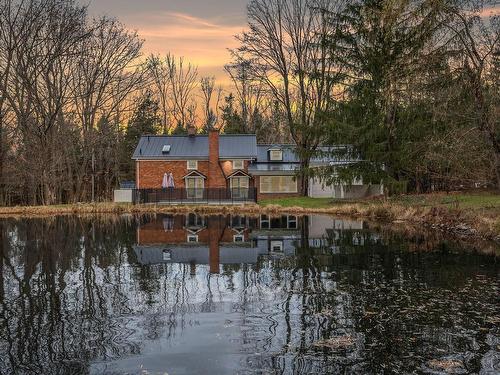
[(490, 11), (203, 42)]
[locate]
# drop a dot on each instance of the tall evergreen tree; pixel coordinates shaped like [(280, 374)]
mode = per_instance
[(145, 120)]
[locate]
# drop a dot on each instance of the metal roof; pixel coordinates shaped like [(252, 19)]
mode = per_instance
[(289, 155), (273, 168), (185, 147), (197, 254)]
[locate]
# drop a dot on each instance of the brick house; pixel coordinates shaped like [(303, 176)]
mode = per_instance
[(233, 164)]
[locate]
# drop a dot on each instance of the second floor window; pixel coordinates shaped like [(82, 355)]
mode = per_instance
[(275, 155), (238, 164), (192, 164)]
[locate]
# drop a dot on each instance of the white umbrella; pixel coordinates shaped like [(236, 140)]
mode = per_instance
[(171, 182), (164, 183)]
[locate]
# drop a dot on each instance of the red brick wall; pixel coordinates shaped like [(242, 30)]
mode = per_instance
[(149, 173), (154, 233), (227, 166)]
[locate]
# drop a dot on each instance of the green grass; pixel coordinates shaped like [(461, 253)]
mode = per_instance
[(473, 201), (304, 202), (476, 200)]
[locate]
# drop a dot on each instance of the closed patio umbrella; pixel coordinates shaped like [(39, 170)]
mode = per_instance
[(164, 183), (171, 182)]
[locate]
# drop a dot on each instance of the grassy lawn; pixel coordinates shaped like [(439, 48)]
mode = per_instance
[(476, 200), (304, 202)]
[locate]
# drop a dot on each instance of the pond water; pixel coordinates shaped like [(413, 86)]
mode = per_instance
[(242, 295)]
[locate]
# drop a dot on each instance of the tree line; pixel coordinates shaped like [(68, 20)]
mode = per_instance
[(411, 87)]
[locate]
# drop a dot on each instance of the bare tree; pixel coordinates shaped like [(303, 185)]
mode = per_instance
[(160, 78), (211, 112), (11, 25), (250, 93), (40, 88), (107, 73), (183, 81), (290, 50), (477, 38)]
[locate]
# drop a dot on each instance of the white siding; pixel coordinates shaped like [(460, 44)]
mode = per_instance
[(123, 196)]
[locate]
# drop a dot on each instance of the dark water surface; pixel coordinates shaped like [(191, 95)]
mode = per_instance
[(239, 295)]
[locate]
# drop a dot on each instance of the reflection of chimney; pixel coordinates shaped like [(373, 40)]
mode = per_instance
[(191, 130), (192, 268), (214, 232)]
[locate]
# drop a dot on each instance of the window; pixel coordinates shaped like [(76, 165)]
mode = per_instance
[(238, 221), (192, 238), (194, 187), (264, 222), (192, 164), (165, 150), (239, 187), (239, 182), (238, 238), (193, 220), (278, 184), (167, 255), (292, 222), (238, 164), (275, 155), (276, 246)]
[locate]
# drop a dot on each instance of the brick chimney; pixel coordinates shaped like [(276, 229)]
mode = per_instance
[(214, 231), (191, 130), (216, 178)]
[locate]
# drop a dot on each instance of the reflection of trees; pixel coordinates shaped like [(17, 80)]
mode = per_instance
[(71, 293), (55, 305)]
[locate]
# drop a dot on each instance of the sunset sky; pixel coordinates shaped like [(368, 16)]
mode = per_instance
[(199, 30)]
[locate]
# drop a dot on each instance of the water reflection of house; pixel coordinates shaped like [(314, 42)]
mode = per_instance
[(195, 239), (277, 235), (327, 231), (233, 239)]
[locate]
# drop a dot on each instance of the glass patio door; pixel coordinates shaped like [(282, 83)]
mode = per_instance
[(194, 187), (239, 187)]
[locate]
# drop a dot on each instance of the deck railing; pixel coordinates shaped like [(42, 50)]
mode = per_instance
[(195, 196)]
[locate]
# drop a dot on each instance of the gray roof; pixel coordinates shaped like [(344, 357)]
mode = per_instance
[(196, 254), (273, 168), (185, 147), (290, 157)]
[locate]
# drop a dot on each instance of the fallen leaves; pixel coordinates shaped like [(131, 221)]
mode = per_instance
[(338, 342)]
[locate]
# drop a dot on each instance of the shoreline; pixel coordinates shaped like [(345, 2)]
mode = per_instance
[(463, 223)]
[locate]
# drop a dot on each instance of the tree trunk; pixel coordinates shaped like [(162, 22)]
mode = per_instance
[(2, 184), (304, 180), (486, 127)]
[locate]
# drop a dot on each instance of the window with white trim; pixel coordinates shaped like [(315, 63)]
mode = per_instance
[(278, 184), (238, 164), (192, 238), (264, 222), (239, 182), (238, 238), (276, 246), (291, 222), (167, 255), (192, 165), (275, 155)]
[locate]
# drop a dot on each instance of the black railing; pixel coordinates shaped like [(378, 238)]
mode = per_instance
[(193, 196)]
